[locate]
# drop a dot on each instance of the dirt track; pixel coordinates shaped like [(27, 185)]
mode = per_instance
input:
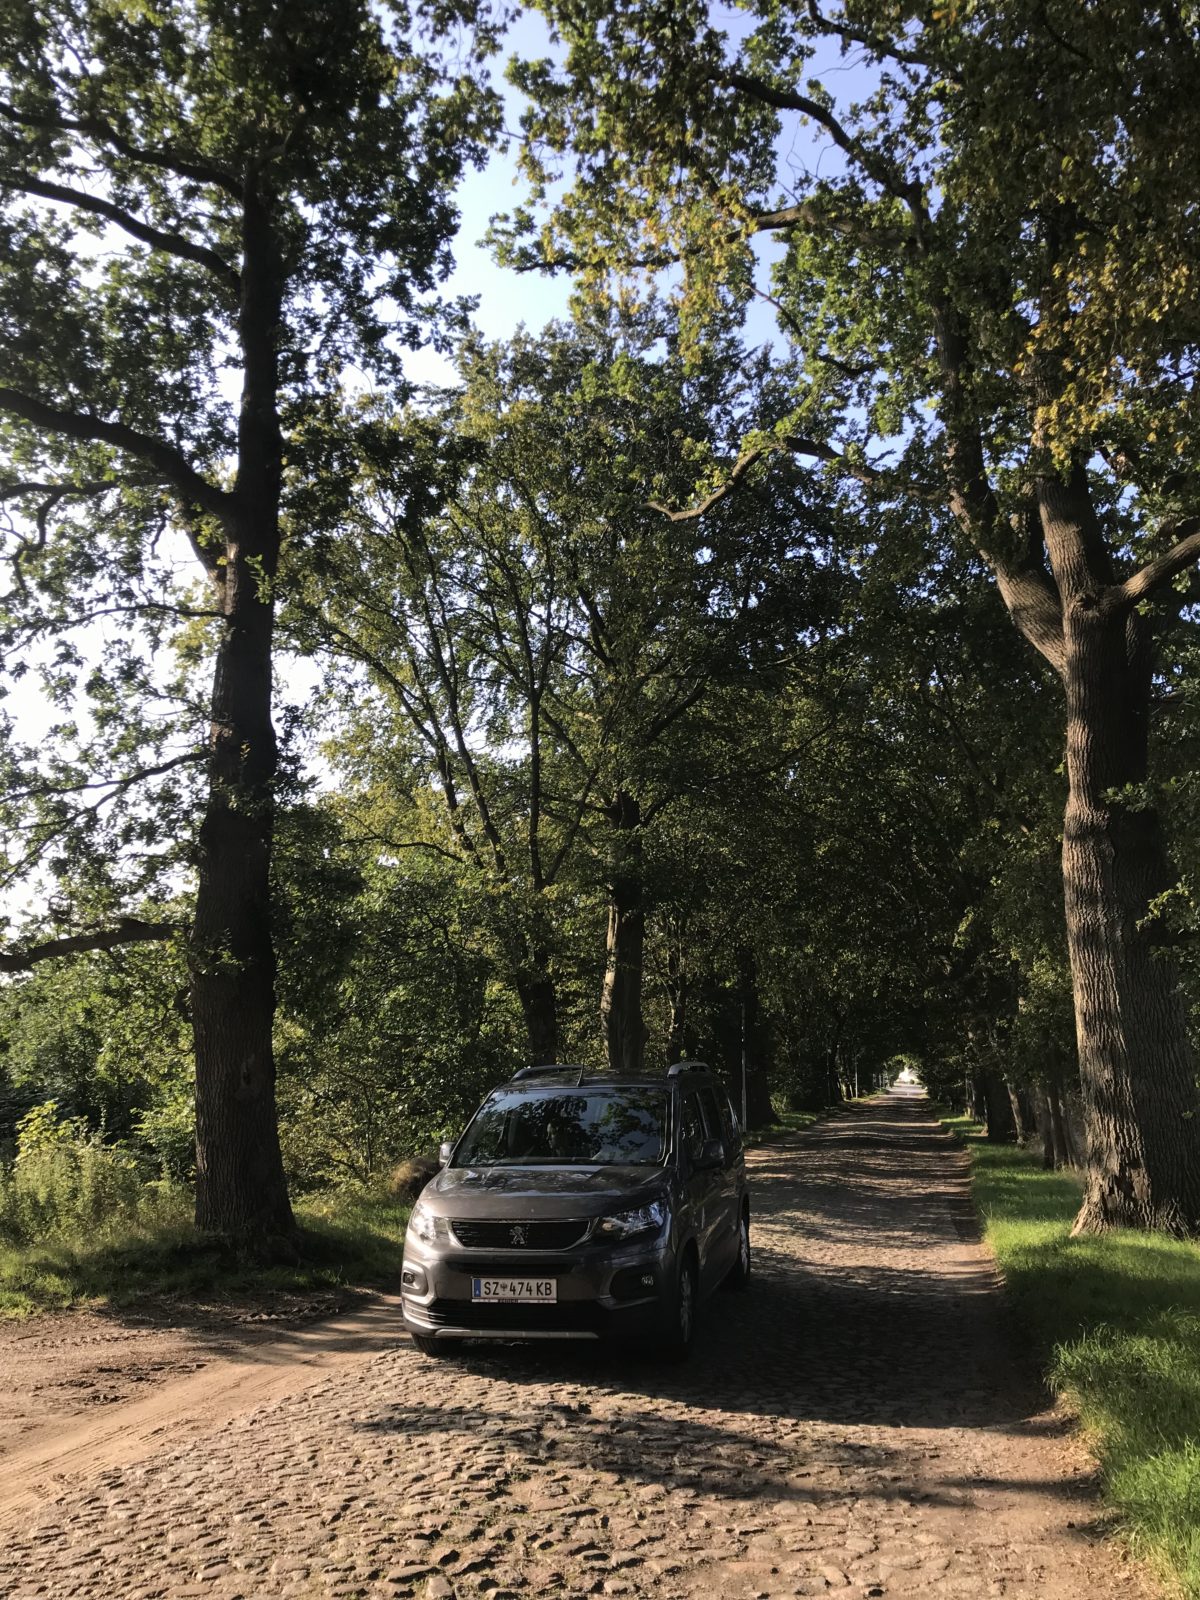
[(855, 1423)]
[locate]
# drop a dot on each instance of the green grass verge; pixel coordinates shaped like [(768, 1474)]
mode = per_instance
[(1117, 1319), (785, 1122), (346, 1239)]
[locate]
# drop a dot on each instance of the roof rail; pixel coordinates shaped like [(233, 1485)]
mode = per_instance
[(546, 1066), (680, 1067)]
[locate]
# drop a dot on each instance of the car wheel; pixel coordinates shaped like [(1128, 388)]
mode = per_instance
[(431, 1347), (738, 1276), (681, 1329)]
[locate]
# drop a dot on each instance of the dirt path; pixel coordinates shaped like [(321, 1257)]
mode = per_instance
[(61, 1370), (854, 1424)]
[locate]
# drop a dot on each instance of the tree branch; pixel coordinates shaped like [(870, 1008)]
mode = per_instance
[(887, 176), (1155, 574), (117, 785), (882, 48), (173, 244), (172, 465), (740, 468), (127, 930), (163, 158)]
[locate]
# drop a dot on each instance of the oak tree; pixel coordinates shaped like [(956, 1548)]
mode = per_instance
[(988, 285), (214, 213)]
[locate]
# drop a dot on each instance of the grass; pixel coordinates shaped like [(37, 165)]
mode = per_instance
[(346, 1239), (1116, 1318), (784, 1122)]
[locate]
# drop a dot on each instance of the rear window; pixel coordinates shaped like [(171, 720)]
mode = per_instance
[(583, 1127)]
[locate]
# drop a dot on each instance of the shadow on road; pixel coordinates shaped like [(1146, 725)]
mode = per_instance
[(872, 1303)]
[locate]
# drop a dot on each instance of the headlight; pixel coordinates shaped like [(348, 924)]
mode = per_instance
[(628, 1224), (424, 1225)]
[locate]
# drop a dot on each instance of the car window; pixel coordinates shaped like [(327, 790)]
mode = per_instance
[(692, 1124), (712, 1115), (567, 1127), (732, 1133)]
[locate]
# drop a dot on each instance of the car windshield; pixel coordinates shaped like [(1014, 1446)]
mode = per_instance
[(567, 1128)]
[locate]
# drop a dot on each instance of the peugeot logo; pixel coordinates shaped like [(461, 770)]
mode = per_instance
[(518, 1234)]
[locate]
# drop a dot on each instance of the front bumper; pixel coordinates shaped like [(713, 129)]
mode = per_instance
[(606, 1292)]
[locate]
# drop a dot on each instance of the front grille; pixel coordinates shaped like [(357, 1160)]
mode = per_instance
[(514, 1266), (580, 1316), (518, 1235)]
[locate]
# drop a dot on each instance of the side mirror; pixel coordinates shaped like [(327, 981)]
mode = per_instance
[(712, 1154), (445, 1151)]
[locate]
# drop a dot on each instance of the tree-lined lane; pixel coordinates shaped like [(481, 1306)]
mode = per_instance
[(854, 1423)]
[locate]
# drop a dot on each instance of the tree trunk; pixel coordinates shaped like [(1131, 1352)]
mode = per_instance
[(1024, 1115), (1062, 1144), (993, 1092), (539, 1004), (1136, 1065), (240, 1184), (677, 995), (621, 997), (759, 1110), (1045, 1128)]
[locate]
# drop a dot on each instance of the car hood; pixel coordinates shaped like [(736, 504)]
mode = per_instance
[(520, 1193)]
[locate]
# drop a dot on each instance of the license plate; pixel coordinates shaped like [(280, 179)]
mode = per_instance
[(515, 1291)]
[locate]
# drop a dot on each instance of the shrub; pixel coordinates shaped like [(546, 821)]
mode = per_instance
[(67, 1183)]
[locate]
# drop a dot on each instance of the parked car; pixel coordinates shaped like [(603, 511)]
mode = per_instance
[(581, 1205)]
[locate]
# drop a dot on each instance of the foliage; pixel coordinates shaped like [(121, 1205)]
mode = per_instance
[(149, 130), (66, 1183), (354, 1239)]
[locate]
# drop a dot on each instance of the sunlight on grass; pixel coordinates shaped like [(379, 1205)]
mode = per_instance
[(1117, 1318)]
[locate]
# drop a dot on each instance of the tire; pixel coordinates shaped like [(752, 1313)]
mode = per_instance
[(429, 1346), (738, 1276), (680, 1334)]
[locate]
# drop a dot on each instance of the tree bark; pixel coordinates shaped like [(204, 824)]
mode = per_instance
[(759, 1111), (539, 1005), (677, 995), (621, 997), (1137, 1069), (993, 1093), (1062, 1143), (240, 1185)]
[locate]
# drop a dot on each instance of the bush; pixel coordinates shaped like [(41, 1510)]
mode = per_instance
[(67, 1183)]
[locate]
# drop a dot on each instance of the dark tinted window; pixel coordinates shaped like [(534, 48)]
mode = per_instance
[(712, 1115), (692, 1123), (567, 1127), (731, 1132)]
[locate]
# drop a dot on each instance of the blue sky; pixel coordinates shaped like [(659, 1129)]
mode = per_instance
[(509, 299)]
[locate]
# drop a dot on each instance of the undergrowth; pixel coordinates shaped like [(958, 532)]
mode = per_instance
[(1116, 1318), (344, 1240), (82, 1219)]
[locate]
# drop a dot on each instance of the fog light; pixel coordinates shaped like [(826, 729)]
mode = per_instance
[(413, 1280), (633, 1283)]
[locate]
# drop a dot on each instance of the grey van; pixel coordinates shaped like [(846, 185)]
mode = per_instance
[(581, 1205)]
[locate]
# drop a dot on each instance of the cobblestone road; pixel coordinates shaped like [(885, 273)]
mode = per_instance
[(854, 1424)]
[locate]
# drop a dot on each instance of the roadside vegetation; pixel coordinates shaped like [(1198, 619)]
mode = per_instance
[(85, 1220), (1116, 1318)]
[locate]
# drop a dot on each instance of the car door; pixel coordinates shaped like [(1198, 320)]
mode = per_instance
[(726, 1197), (703, 1187)]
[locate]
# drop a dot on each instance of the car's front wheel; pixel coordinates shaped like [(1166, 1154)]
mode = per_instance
[(738, 1276), (681, 1326)]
